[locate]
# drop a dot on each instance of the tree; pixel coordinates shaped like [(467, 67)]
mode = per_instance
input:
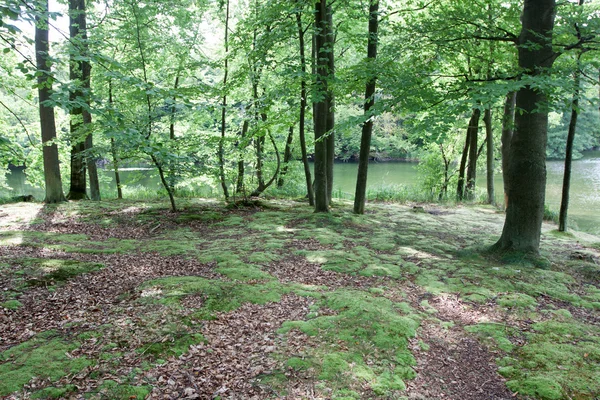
[(53, 181), (323, 106), (527, 153), (367, 128)]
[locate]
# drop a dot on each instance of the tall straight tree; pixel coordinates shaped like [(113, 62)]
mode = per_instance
[(52, 179), (81, 119), (224, 108), (489, 137), (367, 128), (322, 104), (527, 154), (508, 121)]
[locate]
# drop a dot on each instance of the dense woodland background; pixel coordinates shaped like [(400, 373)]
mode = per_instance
[(234, 94)]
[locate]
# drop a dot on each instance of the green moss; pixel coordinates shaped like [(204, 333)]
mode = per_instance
[(113, 390), (539, 387), (44, 356), (175, 347), (54, 392), (499, 333), (298, 364), (11, 304), (333, 365), (517, 300)]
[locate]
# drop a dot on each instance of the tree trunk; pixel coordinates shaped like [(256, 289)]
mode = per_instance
[(321, 106), (508, 122), (473, 155), (330, 141), (287, 156), (302, 117), (52, 179), (367, 128), (489, 134), (469, 153), (224, 109), (564, 204), (460, 185), (241, 169), (113, 147), (527, 166)]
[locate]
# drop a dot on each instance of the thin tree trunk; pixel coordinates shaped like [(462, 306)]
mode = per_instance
[(460, 185), (367, 128), (564, 204), (508, 122), (161, 174), (321, 107), (113, 147), (258, 191), (489, 134), (287, 156), (473, 155), (224, 108), (470, 154), (330, 140), (241, 170), (527, 167), (52, 178), (302, 117)]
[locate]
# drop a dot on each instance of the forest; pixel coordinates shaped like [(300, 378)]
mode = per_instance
[(244, 274)]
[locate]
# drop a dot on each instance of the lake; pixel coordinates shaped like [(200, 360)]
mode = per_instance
[(584, 209)]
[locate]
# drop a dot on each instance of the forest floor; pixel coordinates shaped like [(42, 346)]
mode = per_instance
[(124, 300)]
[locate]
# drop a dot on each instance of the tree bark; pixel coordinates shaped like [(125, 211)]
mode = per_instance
[(508, 122), (241, 168), (527, 166), (564, 204), (469, 154), (287, 156), (330, 141), (489, 134), (224, 110), (302, 117), (321, 106), (52, 178), (473, 155), (113, 147), (367, 128)]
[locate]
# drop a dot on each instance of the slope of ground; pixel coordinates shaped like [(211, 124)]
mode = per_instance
[(122, 300)]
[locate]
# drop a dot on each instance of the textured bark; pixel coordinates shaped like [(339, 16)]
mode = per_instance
[(321, 106), (302, 117), (241, 168), (329, 42), (287, 157), (113, 148), (508, 122), (224, 110), (52, 179), (527, 166), (473, 155), (564, 204), (489, 135), (367, 128), (469, 153)]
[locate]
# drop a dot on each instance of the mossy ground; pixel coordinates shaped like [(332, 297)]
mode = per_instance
[(542, 312)]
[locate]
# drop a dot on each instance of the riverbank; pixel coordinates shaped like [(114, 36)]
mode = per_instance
[(128, 300)]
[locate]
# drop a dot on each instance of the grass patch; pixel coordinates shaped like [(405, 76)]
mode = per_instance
[(44, 356)]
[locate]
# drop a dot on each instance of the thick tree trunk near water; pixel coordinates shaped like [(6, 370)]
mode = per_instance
[(564, 204), (367, 128), (322, 105), (508, 122), (52, 178), (489, 135), (527, 154)]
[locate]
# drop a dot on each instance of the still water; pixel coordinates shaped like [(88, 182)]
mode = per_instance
[(584, 208)]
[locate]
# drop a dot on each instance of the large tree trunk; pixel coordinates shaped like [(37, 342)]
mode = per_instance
[(52, 179), (508, 122), (527, 167), (321, 105), (367, 128), (564, 204), (489, 135), (329, 43), (302, 117)]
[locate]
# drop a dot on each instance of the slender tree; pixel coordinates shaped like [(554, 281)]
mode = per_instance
[(508, 121), (489, 137), (54, 190), (302, 116), (367, 128), (224, 108), (527, 154)]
